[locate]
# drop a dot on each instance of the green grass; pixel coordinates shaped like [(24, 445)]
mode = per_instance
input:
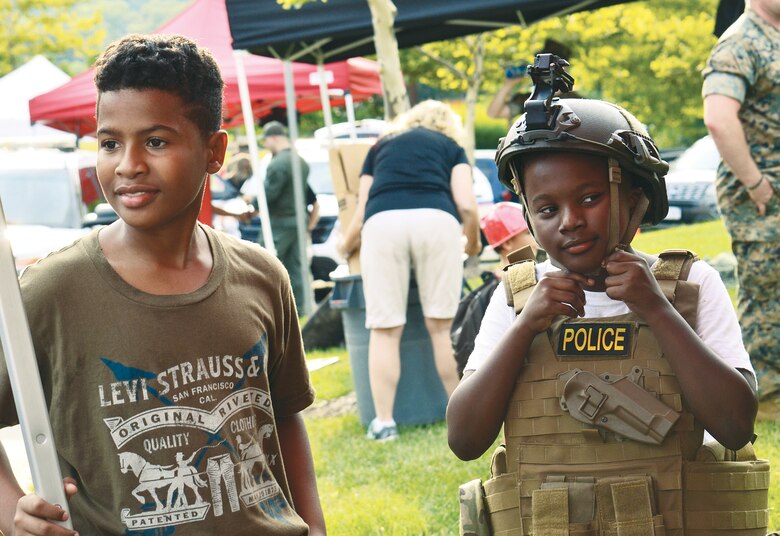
[(768, 448), (410, 486), (705, 239)]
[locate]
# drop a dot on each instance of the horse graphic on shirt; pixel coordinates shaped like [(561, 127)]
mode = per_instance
[(152, 477)]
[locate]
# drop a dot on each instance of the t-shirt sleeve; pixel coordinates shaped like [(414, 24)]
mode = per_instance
[(729, 71), (8, 415), (716, 321), (311, 197), (497, 320), (291, 390), (368, 163), (460, 156)]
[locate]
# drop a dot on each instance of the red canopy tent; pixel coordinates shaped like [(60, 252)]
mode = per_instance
[(71, 107)]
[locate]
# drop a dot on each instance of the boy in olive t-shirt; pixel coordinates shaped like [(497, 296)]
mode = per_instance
[(170, 354)]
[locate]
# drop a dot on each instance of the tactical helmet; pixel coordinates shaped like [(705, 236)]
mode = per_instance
[(593, 127), (503, 222)]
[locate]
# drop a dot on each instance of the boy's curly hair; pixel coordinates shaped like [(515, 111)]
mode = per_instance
[(170, 63)]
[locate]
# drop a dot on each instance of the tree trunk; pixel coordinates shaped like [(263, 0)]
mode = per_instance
[(472, 91), (383, 14)]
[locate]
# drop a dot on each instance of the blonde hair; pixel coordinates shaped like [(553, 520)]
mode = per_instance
[(433, 115)]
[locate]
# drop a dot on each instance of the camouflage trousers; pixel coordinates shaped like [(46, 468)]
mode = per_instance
[(758, 309)]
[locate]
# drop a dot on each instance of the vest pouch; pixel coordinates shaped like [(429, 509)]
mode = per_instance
[(726, 498), (473, 517), (501, 503)]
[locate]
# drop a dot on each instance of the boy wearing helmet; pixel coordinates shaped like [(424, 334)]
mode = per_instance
[(596, 373), (506, 230)]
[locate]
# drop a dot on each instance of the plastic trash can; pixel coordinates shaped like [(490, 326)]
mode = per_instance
[(420, 397)]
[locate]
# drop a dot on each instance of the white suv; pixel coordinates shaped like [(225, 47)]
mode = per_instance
[(42, 199)]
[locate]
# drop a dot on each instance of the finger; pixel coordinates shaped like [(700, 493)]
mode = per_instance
[(71, 488), (761, 209), (571, 300), (581, 280), (35, 506)]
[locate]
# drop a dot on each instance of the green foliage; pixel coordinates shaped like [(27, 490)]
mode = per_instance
[(49, 28), (645, 56), (122, 17)]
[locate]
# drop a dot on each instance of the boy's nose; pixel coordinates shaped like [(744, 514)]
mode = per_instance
[(131, 163), (570, 219)]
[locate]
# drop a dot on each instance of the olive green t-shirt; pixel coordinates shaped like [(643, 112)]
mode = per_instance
[(163, 408)]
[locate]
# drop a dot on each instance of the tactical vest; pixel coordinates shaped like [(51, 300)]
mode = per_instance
[(600, 441)]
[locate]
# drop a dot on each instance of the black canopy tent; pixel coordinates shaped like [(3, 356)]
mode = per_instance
[(338, 29), (341, 29)]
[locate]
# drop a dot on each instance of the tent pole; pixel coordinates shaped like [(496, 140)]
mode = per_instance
[(350, 106), (25, 381), (300, 204), (325, 99), (251, 138)]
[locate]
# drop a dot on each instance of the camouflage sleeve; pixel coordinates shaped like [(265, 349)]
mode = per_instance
[(724, 84), (730, 69)]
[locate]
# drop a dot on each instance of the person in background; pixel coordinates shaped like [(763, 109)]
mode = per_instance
[(415, 203), (506, 230), (280, 197), (741, 93), (184, 336)]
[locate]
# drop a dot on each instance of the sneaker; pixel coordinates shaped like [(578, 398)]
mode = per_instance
[(379, 432)]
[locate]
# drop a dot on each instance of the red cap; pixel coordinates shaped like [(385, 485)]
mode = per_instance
[(504, 221)]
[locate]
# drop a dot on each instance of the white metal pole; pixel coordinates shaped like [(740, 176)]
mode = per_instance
[(251, 137), (350, 106), (325, 100), (300, 204), (26, 382)]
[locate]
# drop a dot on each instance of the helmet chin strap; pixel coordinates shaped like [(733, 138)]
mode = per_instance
[(614, 239)]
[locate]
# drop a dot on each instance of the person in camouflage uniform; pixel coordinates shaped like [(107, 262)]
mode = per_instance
[(742, 112)]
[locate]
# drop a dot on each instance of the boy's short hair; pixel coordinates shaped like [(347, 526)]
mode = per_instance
[(171, 63)]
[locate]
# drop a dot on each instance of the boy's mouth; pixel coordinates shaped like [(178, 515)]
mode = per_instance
[(135, 196), (578, 246)]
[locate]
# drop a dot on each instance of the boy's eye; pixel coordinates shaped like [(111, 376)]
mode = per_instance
[(109, 145), (591, 198), (156, 143), (546, 210)]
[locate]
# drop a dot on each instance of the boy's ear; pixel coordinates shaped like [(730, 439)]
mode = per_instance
[(634, 194), (217, 147)]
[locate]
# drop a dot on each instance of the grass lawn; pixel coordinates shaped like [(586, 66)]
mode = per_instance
[(410, 486)]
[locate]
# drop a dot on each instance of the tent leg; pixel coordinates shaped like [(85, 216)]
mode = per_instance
[(300, 207), (251, 138)]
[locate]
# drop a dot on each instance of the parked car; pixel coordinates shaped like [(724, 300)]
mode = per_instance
[(485, 160), (43, 201), (690, 184)]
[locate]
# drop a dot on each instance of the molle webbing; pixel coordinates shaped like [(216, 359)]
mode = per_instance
[(546, 446), (671, 271), (520, 277)]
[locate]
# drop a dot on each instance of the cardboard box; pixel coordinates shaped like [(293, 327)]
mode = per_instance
[(346, 162)]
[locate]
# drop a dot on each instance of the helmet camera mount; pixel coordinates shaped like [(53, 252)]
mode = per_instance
[(549, 75)]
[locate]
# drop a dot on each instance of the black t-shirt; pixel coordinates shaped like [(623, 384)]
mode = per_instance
[(412, 169)]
